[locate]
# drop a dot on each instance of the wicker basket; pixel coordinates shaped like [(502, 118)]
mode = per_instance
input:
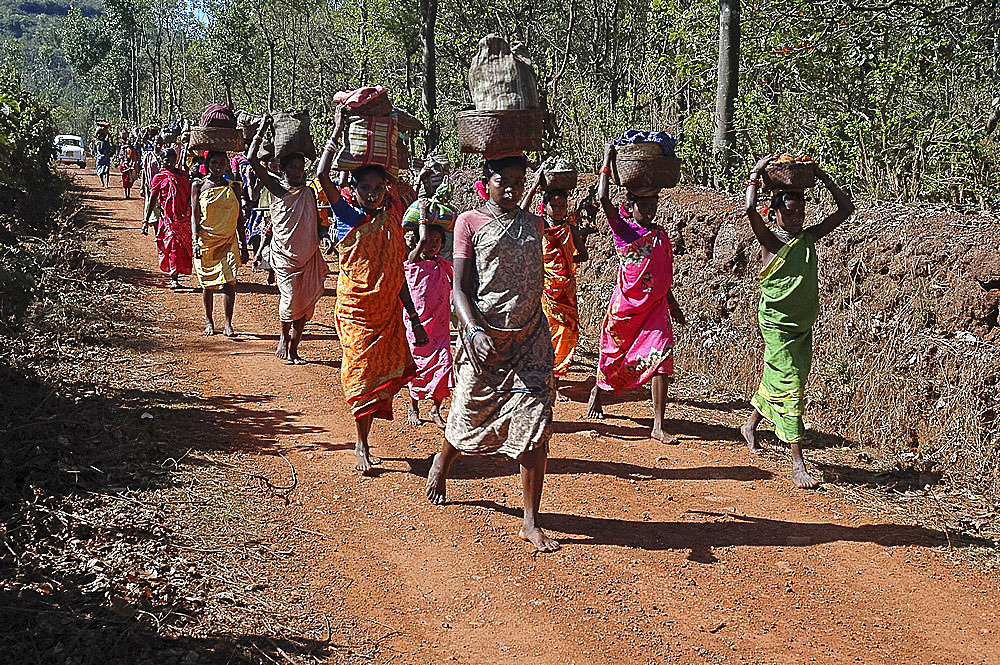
[(559, 180), (795, 176), (644, 169), (222, 139), (497, 134)]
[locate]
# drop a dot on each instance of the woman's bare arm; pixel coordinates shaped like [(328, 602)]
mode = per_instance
[(253, 155), (845, 207), (325, 164), (768, 241)]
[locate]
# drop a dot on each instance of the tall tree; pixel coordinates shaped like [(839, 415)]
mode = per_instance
[(428, 94), (724, 143)]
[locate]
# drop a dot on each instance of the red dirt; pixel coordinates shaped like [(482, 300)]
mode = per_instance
[(691, 553)]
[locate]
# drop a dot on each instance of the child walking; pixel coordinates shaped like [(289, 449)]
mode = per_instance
[(429, 277), (789, 305)]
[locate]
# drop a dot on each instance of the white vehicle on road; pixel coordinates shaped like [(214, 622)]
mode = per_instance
[(69, 149)]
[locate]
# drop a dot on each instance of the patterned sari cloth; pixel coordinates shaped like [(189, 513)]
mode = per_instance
[(172, 192), (504, 408), (430, 288), (220, 245), (789, 305), (377, 360), (298, 265), (637, 339), (559, 294)]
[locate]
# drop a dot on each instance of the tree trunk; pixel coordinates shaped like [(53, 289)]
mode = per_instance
[(724, 145), (428, 95)]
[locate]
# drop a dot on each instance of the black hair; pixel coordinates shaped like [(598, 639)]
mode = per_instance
[(438, 229), (780, 200), (550, 194), (215, 153), (360, 172), (287, 159), (491, 167), (170, 155)]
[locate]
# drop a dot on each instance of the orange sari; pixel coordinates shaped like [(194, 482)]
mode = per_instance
[(377, 361), (559, 294)]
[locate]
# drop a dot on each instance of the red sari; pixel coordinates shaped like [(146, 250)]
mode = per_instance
[(172, 190)]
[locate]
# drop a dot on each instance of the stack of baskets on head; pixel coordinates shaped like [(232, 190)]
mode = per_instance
[(790, 174), (507, 120), (217, 131), (646, 162), (371, 131), (289, 134)]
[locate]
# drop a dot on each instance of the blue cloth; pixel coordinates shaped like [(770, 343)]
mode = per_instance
[(667, 142), (348, 216), (103, 165)]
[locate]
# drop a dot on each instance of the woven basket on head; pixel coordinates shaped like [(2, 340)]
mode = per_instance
[(222, 139), (497, 134), (644, 166), (795, 176), (559, 180)]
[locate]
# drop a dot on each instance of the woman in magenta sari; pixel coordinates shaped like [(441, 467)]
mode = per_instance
[(170, 190), (637, 338)]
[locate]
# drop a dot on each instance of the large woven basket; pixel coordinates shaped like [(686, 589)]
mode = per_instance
[(222, 139), (559, 180), (644, 167), (794, 176), (497, 134)]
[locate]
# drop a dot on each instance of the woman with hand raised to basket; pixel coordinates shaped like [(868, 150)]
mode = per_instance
[(637, 335), (298, 265), (369, 238), (789, 305), (502, 400)]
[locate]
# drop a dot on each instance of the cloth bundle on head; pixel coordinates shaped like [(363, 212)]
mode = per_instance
[(217, 115), (371, 132), (365, 101), (439, 210), (668, 144), (236, 162)]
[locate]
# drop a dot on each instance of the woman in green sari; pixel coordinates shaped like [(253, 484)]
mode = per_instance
[(789, 305)]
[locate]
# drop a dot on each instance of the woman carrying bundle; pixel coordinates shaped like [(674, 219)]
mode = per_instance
[(789, 305), (637, 337), (127, 164), (563, 248), (219, 245), (151, 158), (502, 402), (170, 192), (298, 265), (376, 357)]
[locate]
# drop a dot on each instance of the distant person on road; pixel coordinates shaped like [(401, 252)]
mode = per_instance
[(170, 192), (298, 264), (563, 248), (637, 338), (502, 401), (369, 239), (127, 164), (150, 167), (428, 276), (789, 305), (219, 245), (102, 149)]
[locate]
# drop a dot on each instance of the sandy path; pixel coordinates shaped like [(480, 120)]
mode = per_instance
[(691, 553)]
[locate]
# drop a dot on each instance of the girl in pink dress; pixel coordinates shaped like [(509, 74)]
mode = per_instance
[(429, 277)]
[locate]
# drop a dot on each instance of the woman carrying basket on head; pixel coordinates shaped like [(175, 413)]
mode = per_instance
[(371, 288)]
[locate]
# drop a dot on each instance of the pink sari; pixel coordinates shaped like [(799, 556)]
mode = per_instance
[(173, 233), (430, 287), (637, 339)]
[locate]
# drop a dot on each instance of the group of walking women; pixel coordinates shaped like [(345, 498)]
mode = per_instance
[(512, 287)]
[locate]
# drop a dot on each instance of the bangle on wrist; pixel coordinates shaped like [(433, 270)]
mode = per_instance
[(606, 169), (473, 331)]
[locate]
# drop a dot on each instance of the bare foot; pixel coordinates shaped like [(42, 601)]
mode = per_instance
[(365, 459), (594, 409), (413, 417), (175, 284), (209, 329), (282, 350), (228, 330), (538, 538), (561, 397), (663, 437), (295, 359), (750, 434), (436, 482), (802, 479), (435, 416)]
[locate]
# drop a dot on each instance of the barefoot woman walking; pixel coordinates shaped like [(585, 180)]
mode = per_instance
[(502, 402)]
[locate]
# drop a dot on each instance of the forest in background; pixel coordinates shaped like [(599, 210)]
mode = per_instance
[(896, 98)]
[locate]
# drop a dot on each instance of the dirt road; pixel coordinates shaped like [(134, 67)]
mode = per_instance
[(689, 554)]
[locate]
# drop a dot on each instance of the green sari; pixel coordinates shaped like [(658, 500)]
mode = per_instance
[(789, 305)]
